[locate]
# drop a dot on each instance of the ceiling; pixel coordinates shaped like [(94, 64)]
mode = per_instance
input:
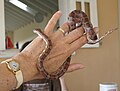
[(37, 9)]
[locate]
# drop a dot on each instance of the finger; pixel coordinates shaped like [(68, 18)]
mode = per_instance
[(75, 34), (60, 33), (62, 30), (52, 22), (78, 43), (75, 66)]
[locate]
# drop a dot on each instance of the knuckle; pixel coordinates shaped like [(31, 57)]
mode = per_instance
[(79, 31), (84, 39)]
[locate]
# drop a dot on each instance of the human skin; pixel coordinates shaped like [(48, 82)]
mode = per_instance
[(62, 48)]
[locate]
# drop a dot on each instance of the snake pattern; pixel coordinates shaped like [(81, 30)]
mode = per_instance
[(76, 18), (62, 69)]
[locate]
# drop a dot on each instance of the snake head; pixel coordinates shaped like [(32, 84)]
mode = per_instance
[(74, 20), (78, 18)]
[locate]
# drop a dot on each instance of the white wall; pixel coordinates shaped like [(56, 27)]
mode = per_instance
[(26, 33)]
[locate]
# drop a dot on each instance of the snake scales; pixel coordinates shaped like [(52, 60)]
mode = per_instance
[(76, 19)]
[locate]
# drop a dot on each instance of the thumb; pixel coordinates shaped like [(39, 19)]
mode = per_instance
[(75, 66)]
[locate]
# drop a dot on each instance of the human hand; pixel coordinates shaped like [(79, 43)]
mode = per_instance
[(69, 43), (62, 48)]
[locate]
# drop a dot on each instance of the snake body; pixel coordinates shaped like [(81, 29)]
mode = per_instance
[(76, 18), (61, 70)]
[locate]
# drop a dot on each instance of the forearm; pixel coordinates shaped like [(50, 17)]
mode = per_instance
[(7, 78)]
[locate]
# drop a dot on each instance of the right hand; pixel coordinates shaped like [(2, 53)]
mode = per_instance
[(62, 48)]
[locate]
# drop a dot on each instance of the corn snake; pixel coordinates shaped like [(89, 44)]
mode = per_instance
[(76, 19)]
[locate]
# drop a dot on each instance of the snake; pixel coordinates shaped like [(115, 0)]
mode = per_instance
[(76, 18)]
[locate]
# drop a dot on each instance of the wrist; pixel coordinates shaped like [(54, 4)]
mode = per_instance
[(27, 67), (14, 68), (7, 77)]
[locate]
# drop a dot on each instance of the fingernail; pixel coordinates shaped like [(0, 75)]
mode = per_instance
[(59, 12)]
